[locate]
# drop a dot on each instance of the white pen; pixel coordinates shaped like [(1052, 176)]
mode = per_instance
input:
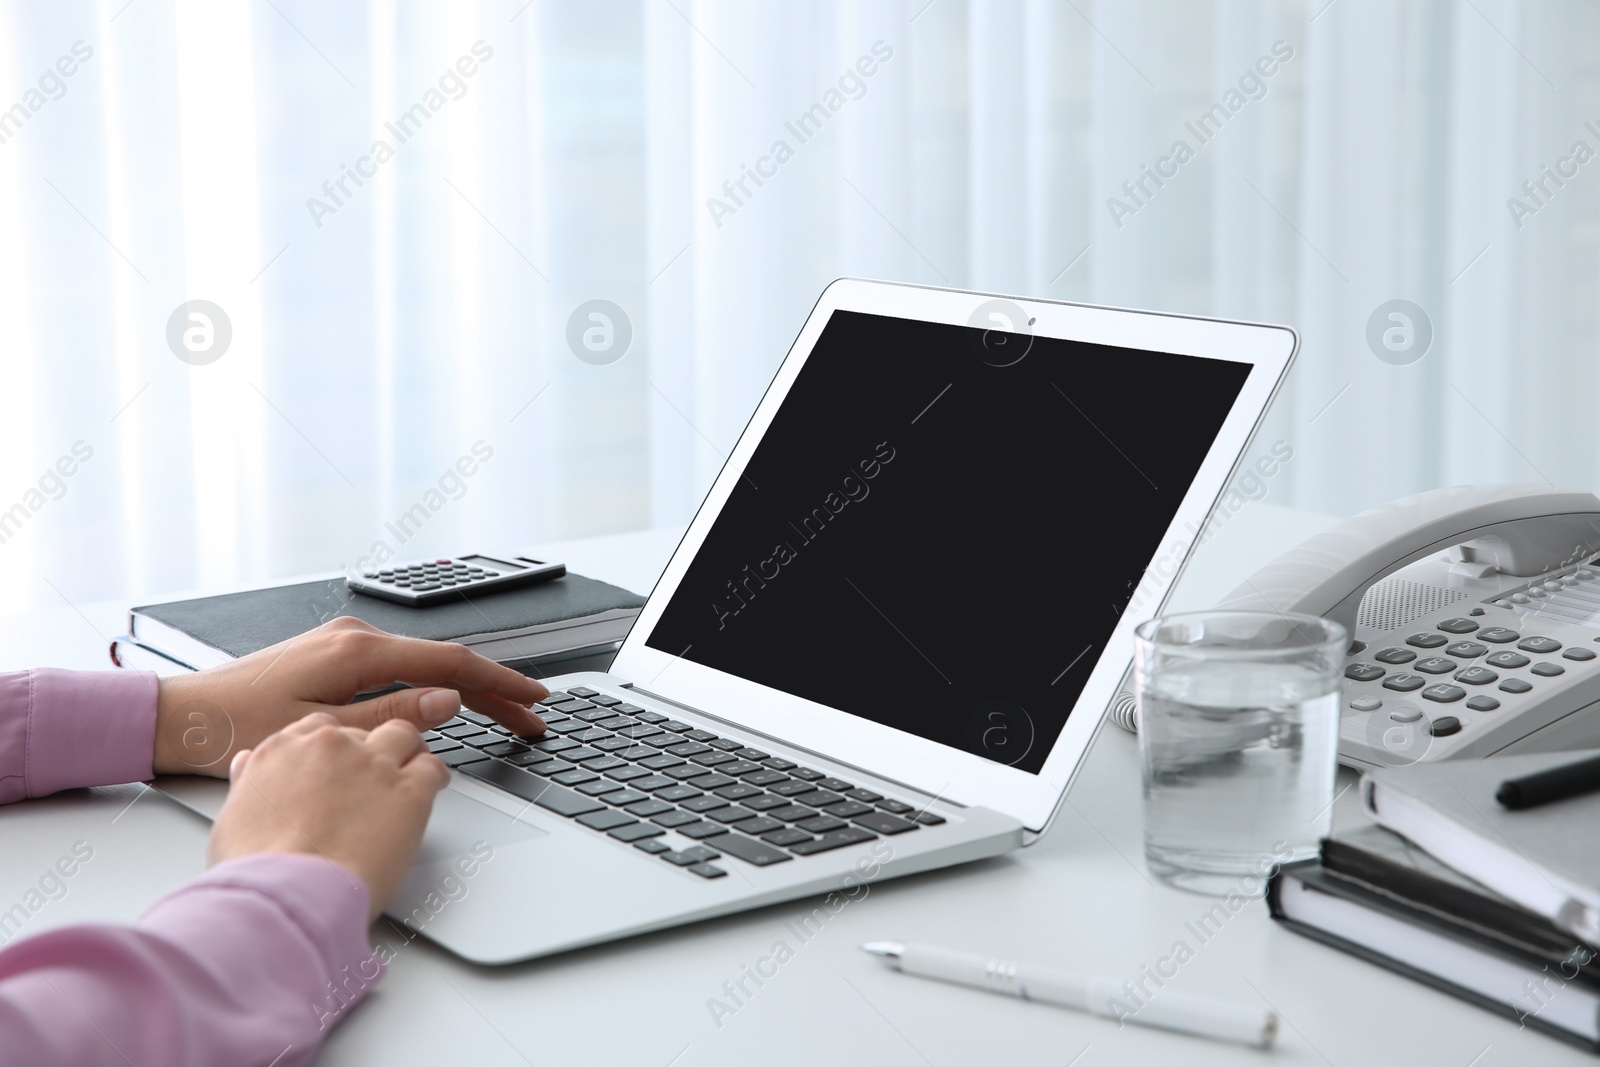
[(1168, 1008)]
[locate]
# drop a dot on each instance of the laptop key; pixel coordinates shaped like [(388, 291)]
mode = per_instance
[(895, 807), (817, 799), (674, 818), (593, 733), (550, 767), (766, 778), (623, 797), (711, 781), (627, 772), (677, 792), (555, 744), (613, 744), (646, 809), (606, 820), (713, 759), (757, 826), (674, 726), (703, 803), (688, 748), (445, 744), (462, 756), (765, 802), (481, 739), (684, 770), (652, 846), (707, 870), (928, 818), (739, 791), (791, 813), (805, 774), (726, 744), (738, 767), (866, 796), (571, 726), (660, 740), (751, 851), (637, 732), (701, 853), (616, 722), (579, 754), (838, 785), (678, 859), (780, 764), (789, 789), (576, 776), (752, 754), (837, 839), (595, 714), (661, 762), (637, 752), (700, 735), (821, 824), (786, 838), (556, 698), (606, 763), (651, 783), (726, 814), (604, 701), (641, 714), (845, 809), (530, 787), (582, 691), (697, 830), (884, 823), (525, 759), (599, 786), (637, 832)]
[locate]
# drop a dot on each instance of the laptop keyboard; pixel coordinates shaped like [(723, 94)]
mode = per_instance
[(635, 775)]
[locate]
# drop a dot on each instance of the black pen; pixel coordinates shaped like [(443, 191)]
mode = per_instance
[(1556, 783)]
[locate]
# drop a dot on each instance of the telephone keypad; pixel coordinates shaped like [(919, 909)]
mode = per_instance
[(1425, 640), (1435, 665), (1539, 644), (1483, 703), (1498, 635), (1477, 676), (1444, 726), (1458, 626), (1443, 693), (1363, 672), (1365, 704), (1466, 650), (1405, 715), (1508, 659), (1394, 655), (1404, 683), (1548, 670), (1578, 654), (1515, 685)]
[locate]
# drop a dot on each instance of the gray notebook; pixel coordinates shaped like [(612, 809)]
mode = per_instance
[(1543, 858)]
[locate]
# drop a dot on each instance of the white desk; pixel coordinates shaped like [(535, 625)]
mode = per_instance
[(1079, 898)]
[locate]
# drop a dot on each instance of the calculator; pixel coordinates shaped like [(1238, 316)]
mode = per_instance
[(436, 581)]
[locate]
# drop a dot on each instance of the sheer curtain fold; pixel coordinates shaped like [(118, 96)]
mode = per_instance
[(404, 209)]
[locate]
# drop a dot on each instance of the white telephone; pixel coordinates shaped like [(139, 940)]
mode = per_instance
[(1475, 618)]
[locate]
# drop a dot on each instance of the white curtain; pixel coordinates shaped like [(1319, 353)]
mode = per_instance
[(399, 376)]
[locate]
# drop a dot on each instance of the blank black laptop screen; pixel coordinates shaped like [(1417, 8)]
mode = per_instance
[(941, 544)]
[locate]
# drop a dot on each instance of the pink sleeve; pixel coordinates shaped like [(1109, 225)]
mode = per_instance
[(251, 963), (67, 729)]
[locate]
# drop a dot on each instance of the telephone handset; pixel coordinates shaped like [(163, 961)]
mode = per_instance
[(1474, 613)]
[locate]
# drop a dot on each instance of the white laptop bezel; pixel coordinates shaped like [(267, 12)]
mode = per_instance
[(935, 768)]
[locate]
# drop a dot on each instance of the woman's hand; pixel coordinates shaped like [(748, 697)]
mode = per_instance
[(203, 719), (359, 798)]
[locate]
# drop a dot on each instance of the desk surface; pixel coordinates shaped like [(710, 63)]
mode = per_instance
[(1079, 899)]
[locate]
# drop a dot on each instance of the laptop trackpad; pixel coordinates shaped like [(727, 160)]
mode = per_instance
[(463, 836)]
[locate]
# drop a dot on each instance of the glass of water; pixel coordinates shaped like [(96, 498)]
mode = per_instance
[(1239, 734)]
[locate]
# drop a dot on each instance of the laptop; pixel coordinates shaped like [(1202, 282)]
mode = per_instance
[(888, 636)]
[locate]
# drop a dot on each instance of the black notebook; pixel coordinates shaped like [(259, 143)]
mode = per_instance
[(1376, 896), (564, 618)]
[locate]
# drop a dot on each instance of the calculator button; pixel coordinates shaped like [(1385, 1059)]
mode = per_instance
[(1539, 644), (1477, 676), (1458, 626), (1443, 693), (1548, 670), (1444, 726), (1394, 655), (1436, 665), (1498, 635), (1578, 654), (1363, 672), (1425, 640), (1483, 703), (1515, 685), (1404, 683), (1405, 715), (1507, 659), (1466, 650)]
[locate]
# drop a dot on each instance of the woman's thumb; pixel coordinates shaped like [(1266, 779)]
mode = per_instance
[(424, 707)]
